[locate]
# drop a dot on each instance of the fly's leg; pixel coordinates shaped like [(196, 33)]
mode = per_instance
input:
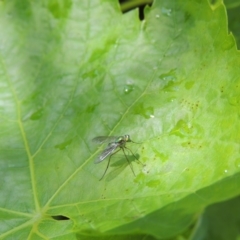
[(128, 160), (134, 155), (108, 164)]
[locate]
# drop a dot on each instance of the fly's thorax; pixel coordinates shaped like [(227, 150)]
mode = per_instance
[(118, 140)]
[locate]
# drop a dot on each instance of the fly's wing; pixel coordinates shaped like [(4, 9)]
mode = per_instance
[(104, 139), (106, 152)]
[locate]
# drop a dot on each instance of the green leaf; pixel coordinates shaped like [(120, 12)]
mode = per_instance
[(74, 70), (232, 3), (233, 7), (220, 221)]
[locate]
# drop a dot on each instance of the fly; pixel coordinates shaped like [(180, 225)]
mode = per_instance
[(115, 144)]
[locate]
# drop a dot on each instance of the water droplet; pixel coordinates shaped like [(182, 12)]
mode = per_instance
[(157, 16), (169, 80), (128, 88), (225, 171), (140, 177), (167, 11), (153, 183), (145, 111), (169, 76), (91, 74), (152, 116), (63, 145), (91, 108), (189, 84), (36, 115), (181, 129)]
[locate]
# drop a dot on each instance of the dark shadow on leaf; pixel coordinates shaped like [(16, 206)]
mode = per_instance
[(60, 218)]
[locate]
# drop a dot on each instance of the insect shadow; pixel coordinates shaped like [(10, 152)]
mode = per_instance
[(119, 163)]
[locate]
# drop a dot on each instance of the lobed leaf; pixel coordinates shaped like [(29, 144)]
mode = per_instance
[(74, 70)]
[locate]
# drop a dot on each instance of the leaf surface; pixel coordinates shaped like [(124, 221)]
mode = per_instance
[(74, 70)]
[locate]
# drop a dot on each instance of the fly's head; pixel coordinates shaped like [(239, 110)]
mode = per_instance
[(127, 138), (123, 139)]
